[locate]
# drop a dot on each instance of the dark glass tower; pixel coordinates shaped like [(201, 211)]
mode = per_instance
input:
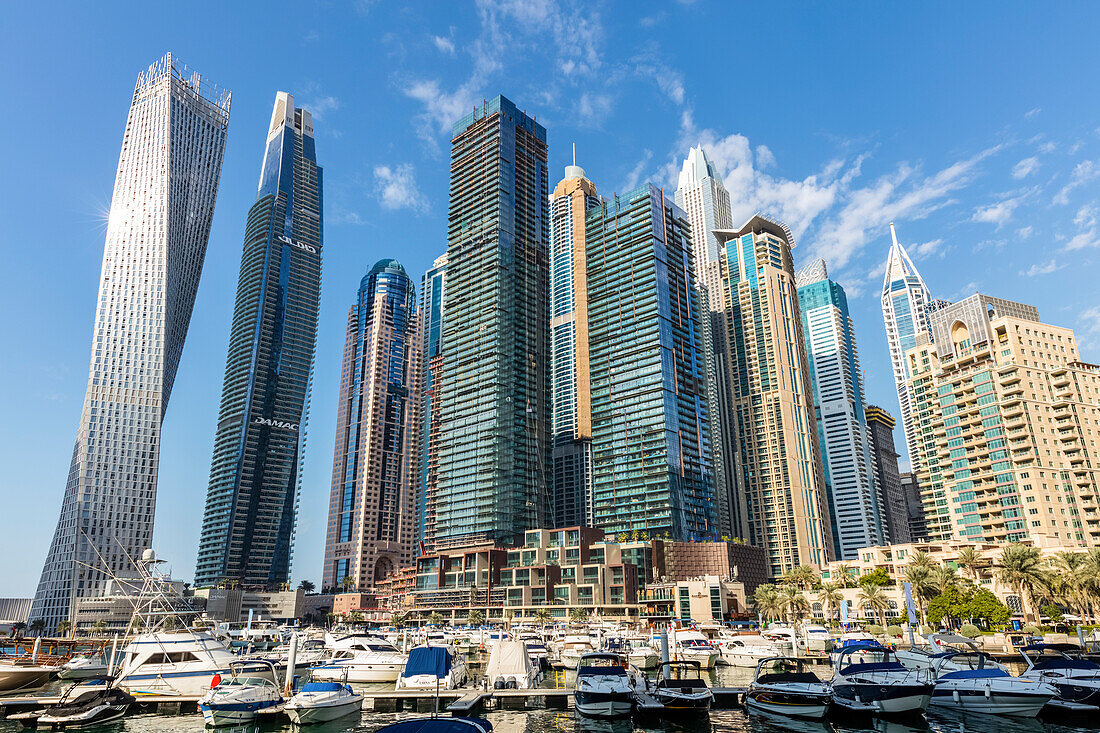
[(494, 448), (252, 499)]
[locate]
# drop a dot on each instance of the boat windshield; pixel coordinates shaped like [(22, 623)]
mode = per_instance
[(246, 681)]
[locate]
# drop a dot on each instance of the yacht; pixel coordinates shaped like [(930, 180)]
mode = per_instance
[(968, 681), (640, 652), (433, 668), (537, 650), (320, 702), (572, 649), (80, 707), (867, 677), (1076, 681), (691, 646), (606, 685), (510, 667), (680, 688), (367, 659), (931, 653), (239, 697), (744, 653), (784, 686), (178, 663)]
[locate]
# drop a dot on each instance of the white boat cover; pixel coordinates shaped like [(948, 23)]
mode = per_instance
[(510, 658)]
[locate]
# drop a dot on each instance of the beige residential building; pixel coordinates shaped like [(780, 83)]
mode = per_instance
[(1007, 418), (783, 487)]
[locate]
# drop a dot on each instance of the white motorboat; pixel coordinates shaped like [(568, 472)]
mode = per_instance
[(239, 697), (640, 652), (510, 667), (968, 681), (691, 646), (23, 674), (433, 668), (1076, 681), (572, 649), (179, 663), (931, 653), (83, 667), (681, 688), (739, 653), (783, 686), (368, 659), (605, 685), (867, 677), (320, 702)]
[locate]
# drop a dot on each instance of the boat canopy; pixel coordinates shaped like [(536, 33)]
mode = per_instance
[(509, 658), (322, 687), (429, 660)]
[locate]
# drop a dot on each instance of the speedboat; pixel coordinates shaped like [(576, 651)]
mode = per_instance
[(83, 667), (572, 649), (320, 702), (967, 681), (941, 649), (439, 725), (180, 663), (736, 653), (240, 697), (23, 674), (367, 659), (510, 667), (79, 707), (431, 668), (1076, 681), (680, 688), (605, 685), (785, 687), (640, 652), (691, 646), (868, 677)]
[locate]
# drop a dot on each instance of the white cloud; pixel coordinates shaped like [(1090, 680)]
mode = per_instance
[(999, 213), (1085, 217), (444, 44), (1025, 232), (1025, 167), (1083, 240), (1032, 113), (1083, 172), (340, 215), (1042, 269), (634, 177), (397, 189), (1088, 331), (592, 108), (927, 249)]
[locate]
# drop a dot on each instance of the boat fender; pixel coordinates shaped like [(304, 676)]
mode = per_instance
[(955, 695), (499, 684), (988, 692), (511, 685)]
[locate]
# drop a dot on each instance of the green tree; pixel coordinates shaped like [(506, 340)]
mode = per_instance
[(38, 626), (922, 559), (1021, 568), (877, 577), (354, 617), (543, 616), (399, 619), (920, 586), (970, 631), (829, 596), (475, 618), (943, 578), (766, 601), (578, 615), (1053, 612), (63, 628), (793, 602), (946, 608), (307, 586), (171, 623), (1070, 581), (804, 577), (969, 560), (872, 596), (984, 606), (845, 575), (435, 618), (99, 626)]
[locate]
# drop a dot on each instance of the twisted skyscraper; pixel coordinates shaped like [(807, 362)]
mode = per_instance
[(157, 232), (252, 499)]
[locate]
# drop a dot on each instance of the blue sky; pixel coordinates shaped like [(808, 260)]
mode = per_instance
[(973, 126)]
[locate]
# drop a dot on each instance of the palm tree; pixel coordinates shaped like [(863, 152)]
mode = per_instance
[(475, 618), (543, 616), (399, 619), (845, 576), (873, 596), (922, 559), (435, 618), (829, 596), (767, 603), (793, 602), (943, 578), (1019, 566), (921, 587), (969, 560), (63, 628), (578, 615), (1070, 580), (803, 577), (38, 626), (99, 626), (346, 583), (307, 586)]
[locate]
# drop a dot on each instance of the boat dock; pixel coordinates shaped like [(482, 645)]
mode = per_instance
[(463, 701)]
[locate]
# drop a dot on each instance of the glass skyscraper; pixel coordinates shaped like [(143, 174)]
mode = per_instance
[(786, 507), (904, 302), (376, 460), (259, 447), (157, 232), (848, 465), (569, 354), (651, 463), (431, 317), (494, 449)]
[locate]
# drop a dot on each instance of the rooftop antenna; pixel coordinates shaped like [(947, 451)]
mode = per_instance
[(893, 235), (574, 153)]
